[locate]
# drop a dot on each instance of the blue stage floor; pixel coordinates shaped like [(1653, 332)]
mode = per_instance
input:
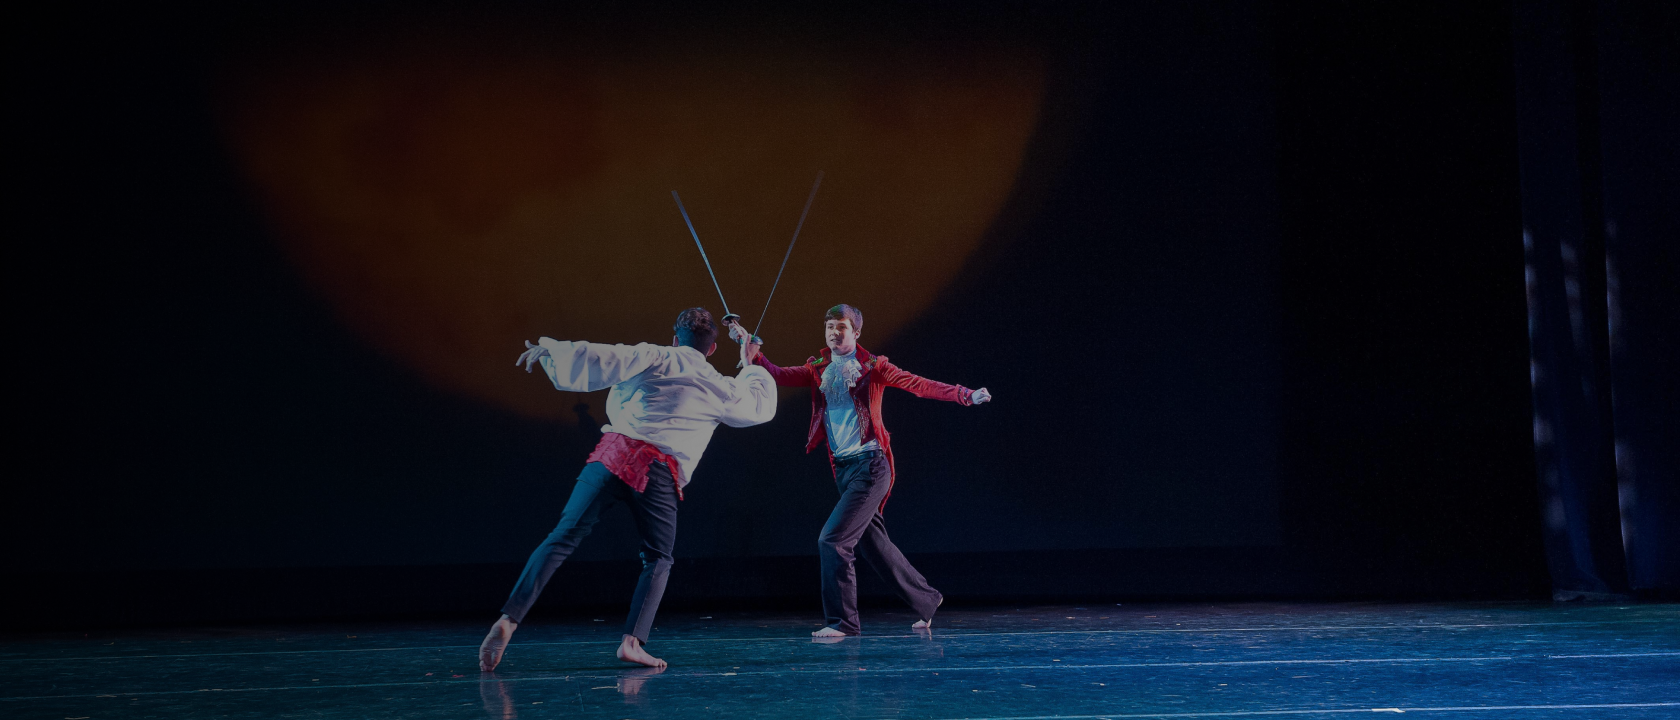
[(1144, 661)]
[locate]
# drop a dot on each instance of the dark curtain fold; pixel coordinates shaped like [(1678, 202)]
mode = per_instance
[(1596, 98)]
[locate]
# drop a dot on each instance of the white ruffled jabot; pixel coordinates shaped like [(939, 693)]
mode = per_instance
[(841, 375)]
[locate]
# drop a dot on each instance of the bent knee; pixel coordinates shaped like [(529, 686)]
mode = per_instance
[(568, 534), (830, 545)]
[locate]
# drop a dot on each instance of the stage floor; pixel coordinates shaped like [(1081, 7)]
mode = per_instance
[(1091, 661)]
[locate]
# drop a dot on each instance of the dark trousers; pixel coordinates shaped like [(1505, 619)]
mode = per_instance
[(857, 528), (655, 511)]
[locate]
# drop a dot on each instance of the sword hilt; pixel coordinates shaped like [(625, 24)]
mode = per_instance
[(733, 320)]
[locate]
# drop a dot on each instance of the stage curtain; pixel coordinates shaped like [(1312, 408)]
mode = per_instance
[(1596, 84)]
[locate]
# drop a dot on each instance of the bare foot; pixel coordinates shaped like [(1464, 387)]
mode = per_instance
[(490, 651), (631, 651), (828, 632)]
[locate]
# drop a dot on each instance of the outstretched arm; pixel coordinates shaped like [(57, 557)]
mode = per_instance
[(587, 367), (752, 399), (932, 389), (784, 376)]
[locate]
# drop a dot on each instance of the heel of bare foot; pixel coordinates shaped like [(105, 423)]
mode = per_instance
[(495, 643), (631, 650)]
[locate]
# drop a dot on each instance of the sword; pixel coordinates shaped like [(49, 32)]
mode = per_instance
[(729, 318), (703, 258), (789, 253)]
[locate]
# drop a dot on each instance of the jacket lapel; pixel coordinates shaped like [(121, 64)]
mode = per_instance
[(865, 359)]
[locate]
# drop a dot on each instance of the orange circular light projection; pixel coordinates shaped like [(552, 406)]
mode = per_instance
[(451, 200)]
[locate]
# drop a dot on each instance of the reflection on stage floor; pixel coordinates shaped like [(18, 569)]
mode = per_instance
[(1088, 661)]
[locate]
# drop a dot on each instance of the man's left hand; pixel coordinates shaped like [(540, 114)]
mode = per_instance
[(532, 354), (980, 396)]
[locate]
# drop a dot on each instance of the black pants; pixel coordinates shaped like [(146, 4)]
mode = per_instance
[(655, 511), (857, 528)]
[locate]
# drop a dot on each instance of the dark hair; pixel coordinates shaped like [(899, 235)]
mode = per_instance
[(847, 313), (695, 329)]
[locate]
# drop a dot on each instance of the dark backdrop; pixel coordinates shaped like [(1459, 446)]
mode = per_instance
[(1253, 314)]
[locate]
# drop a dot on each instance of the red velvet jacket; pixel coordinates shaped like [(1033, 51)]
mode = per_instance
[(878, 375)]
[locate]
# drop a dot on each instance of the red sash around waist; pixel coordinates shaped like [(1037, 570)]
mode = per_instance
[(628, 458)]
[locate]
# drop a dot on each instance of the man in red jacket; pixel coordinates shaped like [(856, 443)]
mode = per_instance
[(846, 384)]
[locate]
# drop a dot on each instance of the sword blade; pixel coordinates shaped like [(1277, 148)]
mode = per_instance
[(789, 253), (703, 257)]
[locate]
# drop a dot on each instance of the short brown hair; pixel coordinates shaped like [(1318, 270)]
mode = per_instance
[(695, 329), (847, 313)]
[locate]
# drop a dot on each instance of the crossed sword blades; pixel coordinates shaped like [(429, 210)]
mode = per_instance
[(730, 318)]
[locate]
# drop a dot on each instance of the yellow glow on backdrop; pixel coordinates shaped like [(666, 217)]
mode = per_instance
[(450, 201)]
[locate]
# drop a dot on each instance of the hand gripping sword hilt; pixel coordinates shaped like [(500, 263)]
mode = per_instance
[(734, 321)]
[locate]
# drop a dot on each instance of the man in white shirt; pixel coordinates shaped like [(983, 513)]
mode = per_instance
[(665, 403)]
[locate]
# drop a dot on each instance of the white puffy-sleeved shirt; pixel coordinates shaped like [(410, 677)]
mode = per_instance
[(668, 396)]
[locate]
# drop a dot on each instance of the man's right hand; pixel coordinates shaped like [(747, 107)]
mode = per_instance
[(737, 333), (532, 354), (749, 350)]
